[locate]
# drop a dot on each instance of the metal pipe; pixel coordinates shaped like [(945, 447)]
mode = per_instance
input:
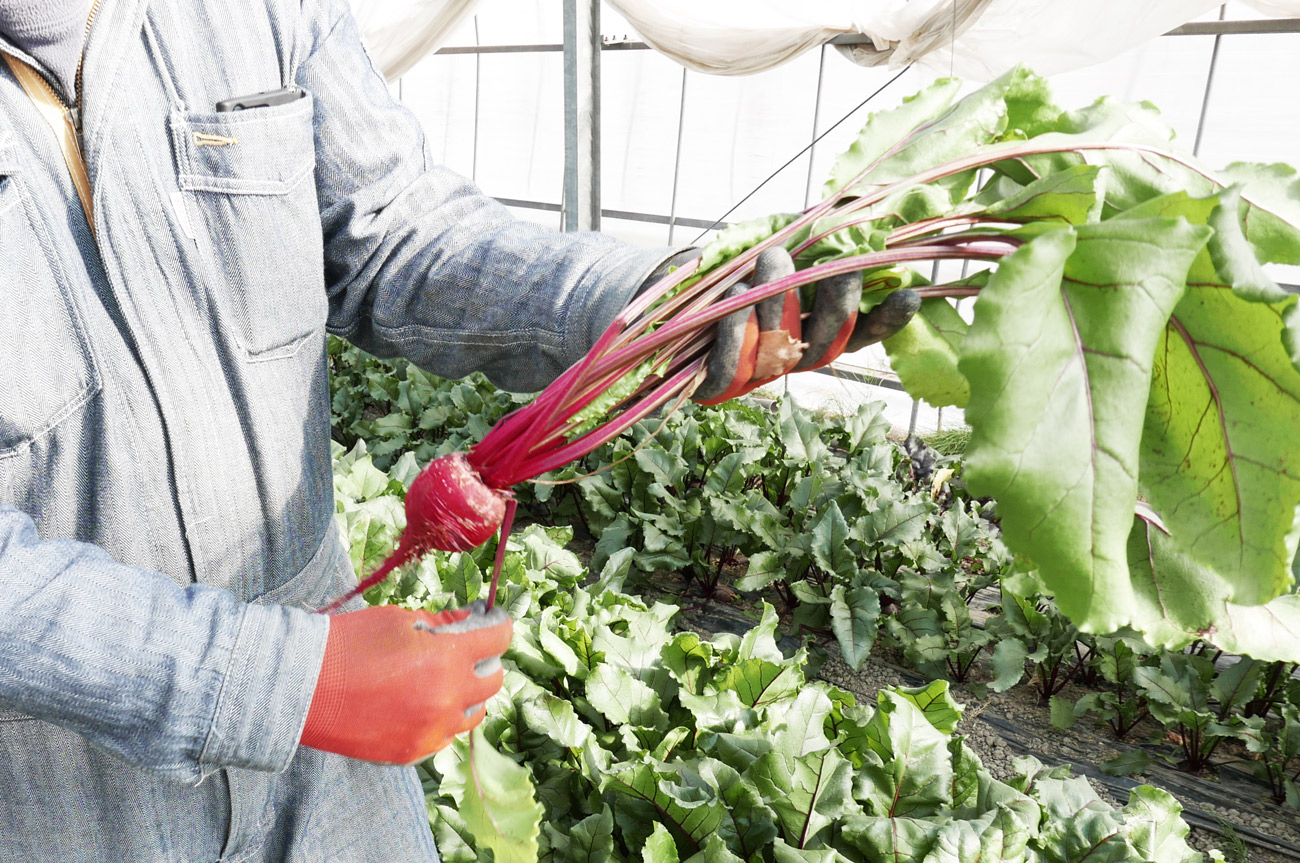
[(1209, 84), (677, 160), (817, 113), (626, 215), (478, 64), (582, 46)]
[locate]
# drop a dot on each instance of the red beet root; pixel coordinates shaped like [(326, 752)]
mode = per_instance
[(448, 508)]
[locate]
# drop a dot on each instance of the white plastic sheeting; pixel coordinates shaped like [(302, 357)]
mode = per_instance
[(741, 37), (975, 39), (399, 33), (1051, 37), (1276, 8)]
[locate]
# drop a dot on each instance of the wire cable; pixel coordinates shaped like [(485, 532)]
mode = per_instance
[(809, 146)]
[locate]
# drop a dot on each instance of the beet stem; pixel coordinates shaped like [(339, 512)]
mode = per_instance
[(392, 562), (502, 536)]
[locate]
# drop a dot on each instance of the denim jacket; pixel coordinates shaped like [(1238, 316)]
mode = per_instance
[(166, 503)]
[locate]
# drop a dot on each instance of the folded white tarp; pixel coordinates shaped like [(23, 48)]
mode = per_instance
[(399, 33), (975, 39)]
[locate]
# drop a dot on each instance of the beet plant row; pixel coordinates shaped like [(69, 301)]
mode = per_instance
[(853, 540), (617, 737)]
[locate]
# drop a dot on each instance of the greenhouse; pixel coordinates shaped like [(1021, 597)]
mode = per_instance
[(715, 432)]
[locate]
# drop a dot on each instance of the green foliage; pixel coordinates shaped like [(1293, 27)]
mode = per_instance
[(1032, 630), (913, 587), (398, 408), (494, 799), (640, 742), (1126, 345), (1131, 376), (949, 442)]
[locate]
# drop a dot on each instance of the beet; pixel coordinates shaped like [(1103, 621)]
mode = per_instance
[(448, 508)]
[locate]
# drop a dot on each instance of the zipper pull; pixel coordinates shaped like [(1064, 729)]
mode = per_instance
[(74, 120)]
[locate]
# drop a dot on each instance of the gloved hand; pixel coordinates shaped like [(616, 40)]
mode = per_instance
[(756, 346), (397, 685)]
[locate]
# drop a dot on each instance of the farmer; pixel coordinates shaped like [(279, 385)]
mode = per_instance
[(233, 182)]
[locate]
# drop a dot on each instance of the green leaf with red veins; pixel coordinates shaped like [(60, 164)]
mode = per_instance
[(644, 794), (1179, 601), (800, 725), (808, 793), (623, 699), (830, 547), (936, 702), (764, 568), (1154, 826), (758, 682), (893, 839), (591, 840), (1059, 360), (884, 129), (1079, 825), (894, 522), (929, 129), (1073, 195), (1215, 464)]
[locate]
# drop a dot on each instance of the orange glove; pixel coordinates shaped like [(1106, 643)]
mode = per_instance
[(756, 346), (397, 685)]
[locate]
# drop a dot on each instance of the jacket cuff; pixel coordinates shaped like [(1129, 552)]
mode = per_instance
[(268, 687), (610, 290)]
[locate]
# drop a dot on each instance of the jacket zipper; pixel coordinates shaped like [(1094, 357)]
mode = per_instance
[(52, 108), (74, 113)]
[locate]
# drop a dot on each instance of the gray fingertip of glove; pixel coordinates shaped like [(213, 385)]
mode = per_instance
[(472, 709), (487, 667), (884, 320), (836, 299), (771, 265), (724, 356), (479, 618)]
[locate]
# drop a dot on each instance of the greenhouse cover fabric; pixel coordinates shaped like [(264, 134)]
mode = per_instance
[(399, 33), (975, 39)]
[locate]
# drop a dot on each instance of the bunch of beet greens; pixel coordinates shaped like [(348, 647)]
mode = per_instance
[(999, 175)]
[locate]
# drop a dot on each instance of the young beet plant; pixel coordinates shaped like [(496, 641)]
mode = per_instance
[(1126, 347)]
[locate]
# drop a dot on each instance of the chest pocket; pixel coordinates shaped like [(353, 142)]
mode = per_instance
[(46, 369), (248, 179)]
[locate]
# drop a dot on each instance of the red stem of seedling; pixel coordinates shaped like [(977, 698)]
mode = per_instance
[(502, 536), (948, 291)]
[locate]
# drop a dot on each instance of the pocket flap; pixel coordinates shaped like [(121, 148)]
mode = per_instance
[(260, 151)]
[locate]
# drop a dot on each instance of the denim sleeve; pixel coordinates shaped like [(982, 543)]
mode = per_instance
[(176, 681), (419, 262)]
